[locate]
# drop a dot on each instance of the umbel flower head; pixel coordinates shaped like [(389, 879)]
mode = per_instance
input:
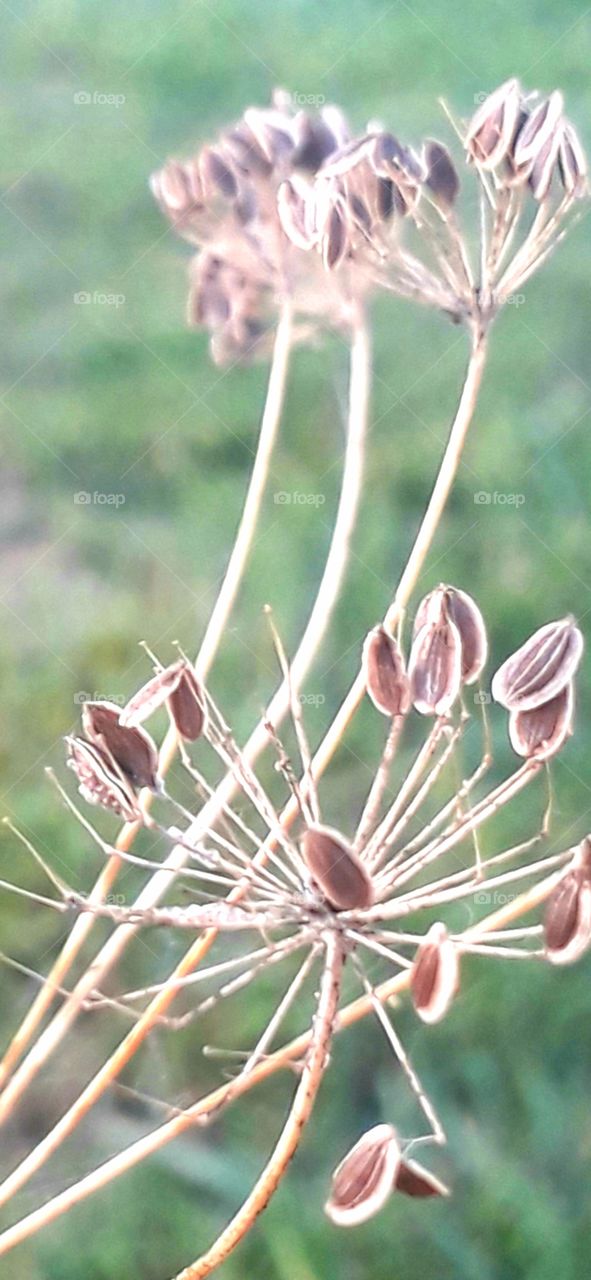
[(288, 205)]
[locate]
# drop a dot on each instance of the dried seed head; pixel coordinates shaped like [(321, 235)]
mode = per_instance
[(98, 783), (414, 1180), (435, 974), (567, 923), (464, 613), (363, 1181), (340, 875), (493, 125), (435, 666), (132, 750), (385, 674), (540, 733), (572, 162), (541, 668), (540, 127), (442, 177)]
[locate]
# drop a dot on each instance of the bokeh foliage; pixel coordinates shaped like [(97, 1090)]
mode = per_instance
[(122, 399)]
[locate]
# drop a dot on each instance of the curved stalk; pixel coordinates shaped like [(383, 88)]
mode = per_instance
[(314, 632), (299, 1114), (270, 422), (282, 1058)]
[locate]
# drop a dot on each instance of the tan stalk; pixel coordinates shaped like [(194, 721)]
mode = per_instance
[(299, 1114), (270, 422), (311, 640)]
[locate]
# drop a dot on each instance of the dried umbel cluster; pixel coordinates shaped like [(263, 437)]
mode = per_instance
[(288, 205), (364, 893)]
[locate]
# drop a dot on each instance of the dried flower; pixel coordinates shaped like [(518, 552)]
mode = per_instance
[(385, 673), (493, 125), (541, 668), (340, 875), (567, 923), (436, 974), (363, 1181), (540, 733)]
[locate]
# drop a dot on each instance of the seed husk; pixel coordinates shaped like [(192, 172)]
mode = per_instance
[(97, 781), (540, 733), (363, 1181), (572, 162), (450, 602), (442, 176), (132, 749), (567, 922), (492, 128), (435, 974), (385, 674), (340, 875), (543, 122), (187, 706), (416, 1181), (435, 665), (541, 668)]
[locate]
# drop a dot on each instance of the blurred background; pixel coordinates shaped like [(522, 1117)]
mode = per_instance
[(114, 396)]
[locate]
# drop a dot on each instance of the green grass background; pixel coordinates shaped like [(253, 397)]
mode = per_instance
[(125, 400)]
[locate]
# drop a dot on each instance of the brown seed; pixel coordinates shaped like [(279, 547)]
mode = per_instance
[(152, 695), (435, 665), (442, 177), (385, 674), (541, 668), (97, 781), (340, 875), (540, 733), (539, 127), (334, 240), (567, 923), (216, 173), (414, 1180), (492, 127), (132, 750), (435, 974), (464, 613), (187, 706), (572, 163), (363, 1181)]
